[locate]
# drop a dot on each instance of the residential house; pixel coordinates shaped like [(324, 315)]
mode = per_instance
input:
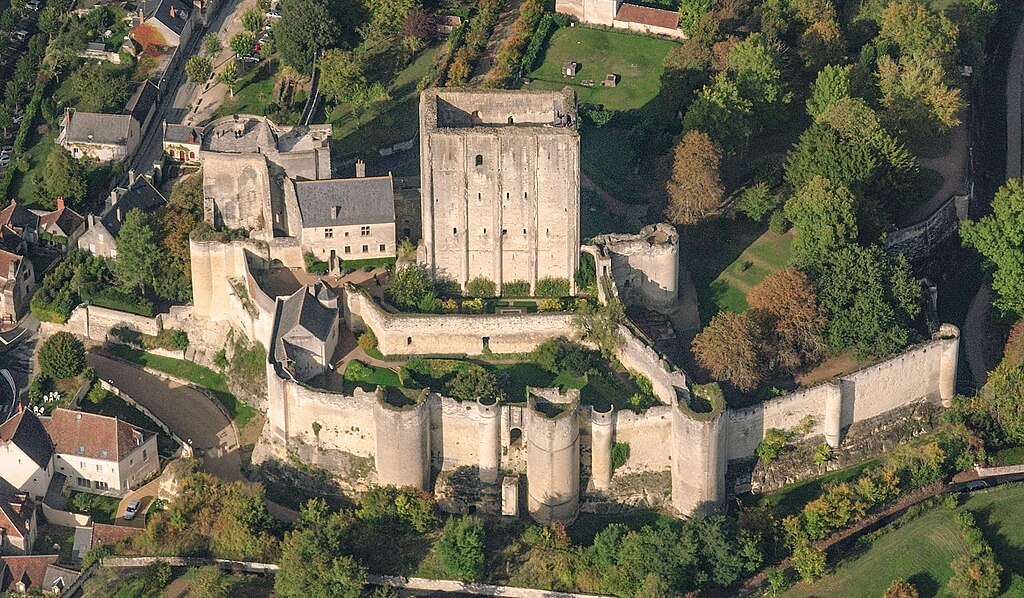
[(100, 236), (174, 19), (20, 220), (182, 142), (61, 227), (107, 535), (17, 282), (26, 454), (35, 575), (307, 332), (142, 104), (17, 521), (101, 454), (105, 137), (347, 219)]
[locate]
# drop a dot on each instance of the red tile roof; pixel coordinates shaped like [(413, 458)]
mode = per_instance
[(98, 436), (645, 15), (6, 259), (16, 514), (103, 533), (30, 570)]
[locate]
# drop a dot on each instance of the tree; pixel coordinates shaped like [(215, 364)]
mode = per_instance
[(408, 285), (600, 325), (365, 97), (6, 118), (910, 26), (419, 25), (209, 582), (387, 18), (723, 113), (831, 85), (62, 356), (757, 201), (754, 66), (915, 94), (311, 564), (473, 383), (975, 576), (138, 256), (789, 300), (242, 43), (730, 348), (901, 588), (305, 27), (462, 548), (99, 89), (691, 12), (199, 69), (821, 44), (211, 45), (63, 177), (823, 152), (253, 19), (871, 300), (695, 189), (341, 73), (229, 77), (1000, 237), (824, 216)]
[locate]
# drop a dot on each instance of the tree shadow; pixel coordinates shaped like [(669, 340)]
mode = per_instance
[(925, 583)]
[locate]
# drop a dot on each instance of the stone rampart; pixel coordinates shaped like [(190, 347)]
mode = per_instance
[(94, 322), (746, 427), (918, 241), (422, 334), (224, 288)]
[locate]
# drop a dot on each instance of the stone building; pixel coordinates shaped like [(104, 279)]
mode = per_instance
[(100, 236), (308, 325), (17, 521), (103, 137), (644, 267), (500, 185), (623, 15), (182, 142), (61, 227), (17, 281)]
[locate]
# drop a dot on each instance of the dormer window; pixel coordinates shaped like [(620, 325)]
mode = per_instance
[(103, 453), (335, 212), (81, 449)]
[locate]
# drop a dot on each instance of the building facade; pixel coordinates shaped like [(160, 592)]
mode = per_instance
[(500, 185)]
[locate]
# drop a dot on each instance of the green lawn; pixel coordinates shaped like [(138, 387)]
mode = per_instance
[(637, 59), (1000, 515), (253, 92), (368, 377), (397, 122), (25, 185), (102, 509), (194, 373)]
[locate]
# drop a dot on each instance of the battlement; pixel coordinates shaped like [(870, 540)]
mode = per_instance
[(511, 111)]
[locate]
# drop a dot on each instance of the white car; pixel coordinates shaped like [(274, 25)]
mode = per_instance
[(131, 510), (5, 160), (20, 35), (272, 14), (33, 4)]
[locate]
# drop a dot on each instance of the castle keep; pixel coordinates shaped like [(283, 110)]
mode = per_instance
[(500, 185)]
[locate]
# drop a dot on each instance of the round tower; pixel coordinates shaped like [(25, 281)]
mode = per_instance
[(402, 436), (553, 455), (489, 411), (601, 431), (950, 335), (698, 458)]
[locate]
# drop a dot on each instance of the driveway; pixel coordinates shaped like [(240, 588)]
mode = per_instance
[(187, 412)]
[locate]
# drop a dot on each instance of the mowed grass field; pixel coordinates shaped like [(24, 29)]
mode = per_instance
[(922, 550), (637, 59), (766, 255)]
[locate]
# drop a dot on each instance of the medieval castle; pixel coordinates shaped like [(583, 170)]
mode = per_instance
[(499, 199)]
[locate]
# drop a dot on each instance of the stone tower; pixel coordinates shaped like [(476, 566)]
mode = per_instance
[(500, 185)]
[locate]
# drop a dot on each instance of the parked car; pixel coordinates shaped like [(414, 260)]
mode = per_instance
[(249, 58), (20, 35), (7, 149), (33, 4), (131, 510), (272, 14), (17, 118), (975, 486), (5, 160)]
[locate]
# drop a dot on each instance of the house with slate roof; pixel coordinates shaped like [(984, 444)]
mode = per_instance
[(100, 236), (17, 521), (307, 331), (174, 19), (20, 220), (61, 227), (347, 219), (182, 142), (105, 137), (26, 454)]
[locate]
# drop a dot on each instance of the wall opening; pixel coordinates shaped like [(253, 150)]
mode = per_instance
[(511, 121), (479, 160), (486, 340), (408, 340), (515, 438)]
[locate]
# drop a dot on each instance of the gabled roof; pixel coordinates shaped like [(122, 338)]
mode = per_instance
[(10, 240), (59, 577), (16, 511), (142, 194), (18, 217), (310, 311), (63, 218), (104, 534), (182, 134), (30, 570), (27, 433), (93, 127), (142, 100), (346, 202), (645, 15), (172, 13), (7, 259), (91, 435)]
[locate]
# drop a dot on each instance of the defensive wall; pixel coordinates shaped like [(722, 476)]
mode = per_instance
[(918, 241)]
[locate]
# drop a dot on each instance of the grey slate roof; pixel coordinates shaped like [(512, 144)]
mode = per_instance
[(27, 433), (140, 195), (304, 309), (142, 101), (182, 133), (93, 127), (181, 13), (342, 202)]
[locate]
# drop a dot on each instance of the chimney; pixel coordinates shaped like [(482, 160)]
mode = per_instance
[(172, 11), (92, 220), (60, 204), (360, 168), (131, 177), (120, 216)]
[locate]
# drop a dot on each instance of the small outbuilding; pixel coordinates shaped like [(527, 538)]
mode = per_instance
[(569, 69), (610, 80)]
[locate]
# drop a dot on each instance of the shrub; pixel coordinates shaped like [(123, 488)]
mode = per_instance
[(408, 286), (62, 356), (516, 288), (757, 201), (220, 359), (472, 383), (462, 548), (552, 287), (313, 265), (586, 274), (620, 454), (473, 306), (822, 454), (550, 304), (537, 41), (481, 287), (116, 299), (777, 222), (771, 446), (367, 341), (550, 354)]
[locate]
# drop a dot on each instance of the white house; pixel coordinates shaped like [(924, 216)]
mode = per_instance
[(26, 454)]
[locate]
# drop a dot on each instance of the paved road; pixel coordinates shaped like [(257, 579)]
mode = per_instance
[(1014, 99), (188, 412)]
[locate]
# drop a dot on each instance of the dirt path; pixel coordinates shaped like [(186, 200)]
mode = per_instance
[(1014, 82), (953, 168), (502, 30)]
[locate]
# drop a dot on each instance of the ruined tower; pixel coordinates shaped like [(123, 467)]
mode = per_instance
[(500, 185)]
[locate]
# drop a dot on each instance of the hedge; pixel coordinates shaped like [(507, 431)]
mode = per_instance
[(552, 287), (548, 24), (22, 136), (117, 299)]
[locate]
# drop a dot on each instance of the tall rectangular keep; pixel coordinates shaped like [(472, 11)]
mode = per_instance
[(500, 184)]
